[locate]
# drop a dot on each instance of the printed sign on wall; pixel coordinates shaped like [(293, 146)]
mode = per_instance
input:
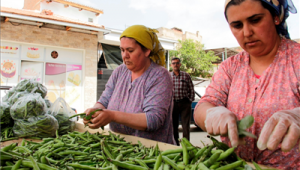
[(73, 88), (55, 80), (9, 72), (32, 70), (32, 52), (10, 49)]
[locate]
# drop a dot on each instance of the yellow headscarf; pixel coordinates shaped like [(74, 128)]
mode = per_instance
[(148, 38)]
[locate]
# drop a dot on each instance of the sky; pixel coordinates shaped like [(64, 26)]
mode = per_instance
[(205, 16)]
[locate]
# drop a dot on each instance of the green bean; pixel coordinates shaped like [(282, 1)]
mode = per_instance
[(34, 163), (5, 157), (161, 166), (170, 162), (9, 147), (202, 166), (172, 151), (119, 157), (181, 165), (212, 159), (156, 150), (106, 150), (23, 142), (173, 156), (158, 162), (230, 166), (198, 154), (12, 154), (6, 167), (8, 163), (206, 153), (23, 149), (177, 157), (225, 154), (68, 152), (166, 166), (256, 166), (17, 165), (7, 139), (185, 153), (216, 150), (215, 165), (188, 144), (128, 166), (142, 163), (79, 166)]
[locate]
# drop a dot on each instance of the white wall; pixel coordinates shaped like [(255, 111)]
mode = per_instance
[(69, 12)]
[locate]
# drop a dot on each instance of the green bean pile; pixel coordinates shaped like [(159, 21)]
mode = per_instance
[(77, 150)]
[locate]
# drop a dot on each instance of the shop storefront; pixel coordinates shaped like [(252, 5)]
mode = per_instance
[(60, 69)]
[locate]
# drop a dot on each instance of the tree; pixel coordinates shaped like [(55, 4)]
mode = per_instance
[(194, 60)]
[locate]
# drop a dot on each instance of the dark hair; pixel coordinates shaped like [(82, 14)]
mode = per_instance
[(238, 2), (175, 58)]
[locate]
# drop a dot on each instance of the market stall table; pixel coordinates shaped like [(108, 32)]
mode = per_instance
[(146, 142)]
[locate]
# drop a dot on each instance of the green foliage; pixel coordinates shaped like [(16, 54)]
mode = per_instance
[(194, 60)]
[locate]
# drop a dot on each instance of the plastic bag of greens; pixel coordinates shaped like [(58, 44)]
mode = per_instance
[(40, 126), (6, 120), (30, 105), (48, 103), (32, 86), (9, 93), (16, 96), (62, 111)]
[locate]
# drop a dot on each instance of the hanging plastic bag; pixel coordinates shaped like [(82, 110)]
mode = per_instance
[(62, 112)]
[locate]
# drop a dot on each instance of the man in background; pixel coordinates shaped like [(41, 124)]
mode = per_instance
[(184, 95)]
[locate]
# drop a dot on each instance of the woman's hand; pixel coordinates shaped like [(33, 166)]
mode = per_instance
[(282, 126), (221, 121), (99, 118)]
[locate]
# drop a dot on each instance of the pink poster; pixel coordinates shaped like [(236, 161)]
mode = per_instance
[(55, 80)]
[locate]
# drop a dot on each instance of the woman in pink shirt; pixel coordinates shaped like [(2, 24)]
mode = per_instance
[(262, 81)]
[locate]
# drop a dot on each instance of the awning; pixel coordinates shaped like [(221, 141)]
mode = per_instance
[(112, 56)]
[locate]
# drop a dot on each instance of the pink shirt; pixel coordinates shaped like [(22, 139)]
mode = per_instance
[(236, 87)]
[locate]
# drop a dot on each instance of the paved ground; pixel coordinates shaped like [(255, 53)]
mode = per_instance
[(197, 135)]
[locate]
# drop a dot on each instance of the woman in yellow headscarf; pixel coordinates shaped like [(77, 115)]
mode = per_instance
[(138, 96)]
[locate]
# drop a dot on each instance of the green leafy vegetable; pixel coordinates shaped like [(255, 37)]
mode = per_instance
[(16, 96), (244, 124), (31, 105), (39, 126), (65, 125), (6, 120), (32, 86)]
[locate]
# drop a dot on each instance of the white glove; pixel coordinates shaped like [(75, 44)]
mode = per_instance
[(283, 126), (221, 121)]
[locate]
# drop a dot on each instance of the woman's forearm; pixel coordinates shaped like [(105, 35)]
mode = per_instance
[(134, 120), (99, 105), (200, 114)]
